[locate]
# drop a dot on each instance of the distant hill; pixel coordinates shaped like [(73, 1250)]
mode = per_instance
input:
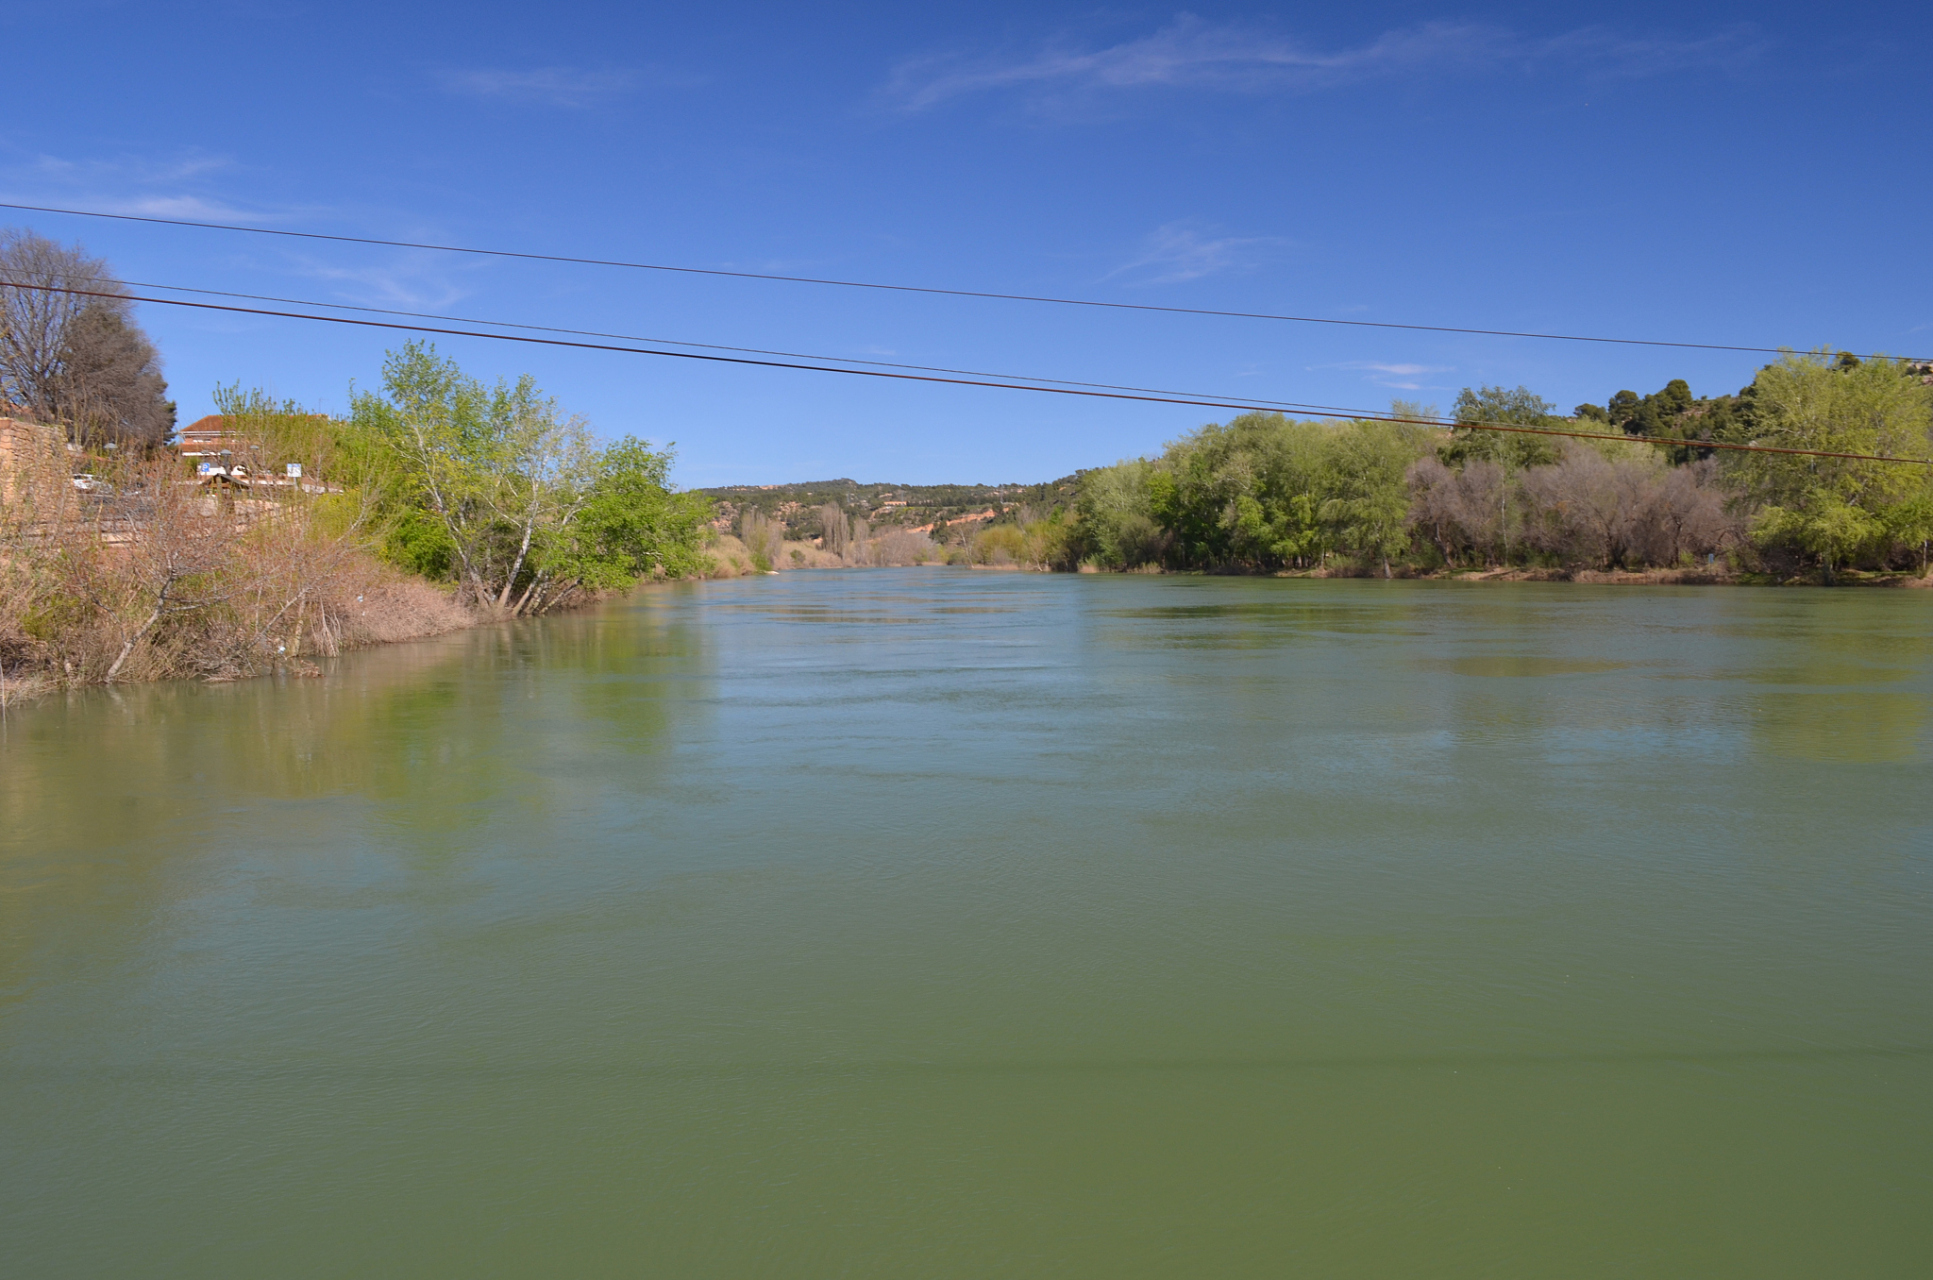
[(888, 505)]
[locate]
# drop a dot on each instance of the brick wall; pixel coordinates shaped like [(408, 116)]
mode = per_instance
[(25, 447)]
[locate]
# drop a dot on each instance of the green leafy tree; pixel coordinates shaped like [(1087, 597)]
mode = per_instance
[(508, 495), (431, 421), (1673, 413), (497, 467), (1517, 407), (1834, 509), (1259, 492), (1248, 493), (1910, 522), (1115, 509), (1368, 480), (630, 526)]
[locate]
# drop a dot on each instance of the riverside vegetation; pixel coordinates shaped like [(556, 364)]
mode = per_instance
[(1264, 493), (437, 500), (1267, 494)]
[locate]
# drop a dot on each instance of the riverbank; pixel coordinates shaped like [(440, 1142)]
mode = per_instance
[(365, 604), (1716, 576), (732, 560), (357, 605), (360, 603)]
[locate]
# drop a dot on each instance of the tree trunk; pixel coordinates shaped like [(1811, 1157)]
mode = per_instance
[(128, 648), (536, 580), (295, 632), (516, 567)]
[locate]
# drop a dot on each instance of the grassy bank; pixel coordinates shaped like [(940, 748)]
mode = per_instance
[(287, 535), (146, 575)]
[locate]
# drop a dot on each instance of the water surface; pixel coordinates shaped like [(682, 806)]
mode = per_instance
[(926, 923)]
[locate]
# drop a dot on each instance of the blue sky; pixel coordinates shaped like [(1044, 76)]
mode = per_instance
[(1746, 173)]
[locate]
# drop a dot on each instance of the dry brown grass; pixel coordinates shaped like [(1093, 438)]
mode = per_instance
[(731, 558), (153, 576)]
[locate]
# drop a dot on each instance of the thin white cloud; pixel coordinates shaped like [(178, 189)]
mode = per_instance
[(192, 208), (1607, 53), (154, 187), (1399, 370), (143, 169), (544, 86), (1243, 58), (1177, 252), (414, 280), (1396, 375), (116, 171)]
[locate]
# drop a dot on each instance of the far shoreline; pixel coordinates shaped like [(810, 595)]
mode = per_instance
[(1688, 577)]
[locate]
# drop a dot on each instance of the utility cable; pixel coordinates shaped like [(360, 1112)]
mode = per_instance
[(897, 288), (675, 342), (1248, 406)]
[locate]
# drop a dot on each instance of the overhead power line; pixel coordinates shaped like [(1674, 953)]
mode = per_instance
[(896, 288), (1251, 406), (708, 346)]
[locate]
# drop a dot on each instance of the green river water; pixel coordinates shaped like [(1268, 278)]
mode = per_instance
[(928, 923)]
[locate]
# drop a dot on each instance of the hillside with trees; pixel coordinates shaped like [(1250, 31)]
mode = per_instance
[(883, 505)]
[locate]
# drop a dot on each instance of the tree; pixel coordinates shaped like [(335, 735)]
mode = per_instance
[(1590, 508), (70, 351), (1512, 451), (1673, 413), (493, 466), (1834, 508), (497, 482), (1368, 478), (835, 530), (542, 469), (1461, 511), (1118, 528), (1910, 522), (629, 526), (110, 386), (430, 424), (1248, 493), (35, 318)]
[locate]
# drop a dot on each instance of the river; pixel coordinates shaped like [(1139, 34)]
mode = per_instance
[(929, 923)]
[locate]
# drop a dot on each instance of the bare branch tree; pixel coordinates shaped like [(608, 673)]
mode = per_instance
[(110, 386), (74, 359)]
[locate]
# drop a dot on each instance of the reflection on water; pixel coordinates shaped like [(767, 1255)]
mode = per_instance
[(917, 922), (1521, 665), (1863, 727)]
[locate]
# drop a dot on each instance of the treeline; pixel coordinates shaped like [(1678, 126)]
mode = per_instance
[(1264, 493)]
